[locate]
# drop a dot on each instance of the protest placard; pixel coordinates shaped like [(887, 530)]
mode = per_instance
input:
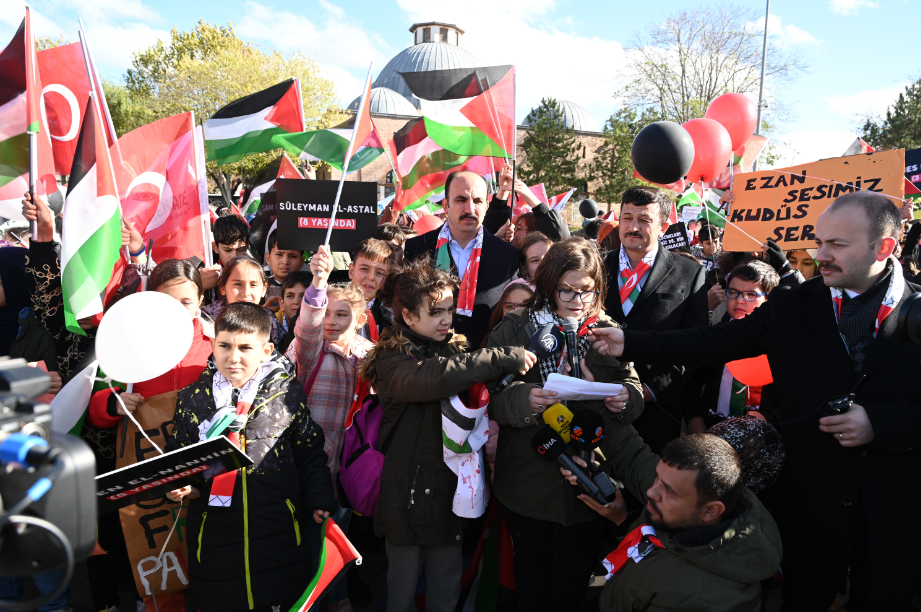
[(676, 238), (784, 204), (304, 209), (913, 176)]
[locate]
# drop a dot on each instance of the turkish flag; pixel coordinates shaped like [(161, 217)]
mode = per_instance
[(158, 186), (65, 90)]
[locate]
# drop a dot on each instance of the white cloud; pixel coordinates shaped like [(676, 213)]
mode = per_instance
[(850, 7), (786, 35), (550, 62), (113, 45), (802, 147), (343, 47), (109, 10), (867, 103)]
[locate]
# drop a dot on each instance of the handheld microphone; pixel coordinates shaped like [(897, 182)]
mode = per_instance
[(586, 433), (559, 418), (544, 342), (571, 329), (550, 446)]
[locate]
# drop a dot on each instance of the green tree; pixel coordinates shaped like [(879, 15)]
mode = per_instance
[(613, 166), (127, 111), (550, 149), (902, 126), (46, 42), (209, 67)]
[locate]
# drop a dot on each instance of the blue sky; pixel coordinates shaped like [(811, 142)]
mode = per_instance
[(860, 52)]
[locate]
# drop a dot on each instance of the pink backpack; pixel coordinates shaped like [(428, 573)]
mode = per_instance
[(361, 461)]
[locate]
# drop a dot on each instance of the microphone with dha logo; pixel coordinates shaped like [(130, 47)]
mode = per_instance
[(550, 446)]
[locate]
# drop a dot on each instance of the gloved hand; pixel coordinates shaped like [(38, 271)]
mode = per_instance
[(776, 258)]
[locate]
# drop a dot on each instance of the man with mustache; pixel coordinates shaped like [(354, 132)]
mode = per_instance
[(462, 245), (652, 289), (851, 485)]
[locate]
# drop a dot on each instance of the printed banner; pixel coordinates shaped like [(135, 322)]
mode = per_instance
[(676, 238), (304, 209), (784, 204)]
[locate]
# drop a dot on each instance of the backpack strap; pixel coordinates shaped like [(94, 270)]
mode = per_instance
[(309, 384)]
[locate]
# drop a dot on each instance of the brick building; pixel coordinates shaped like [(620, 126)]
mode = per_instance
[(436, 46)]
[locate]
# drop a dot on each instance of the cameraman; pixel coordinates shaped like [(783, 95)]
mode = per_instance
[(851, 487)]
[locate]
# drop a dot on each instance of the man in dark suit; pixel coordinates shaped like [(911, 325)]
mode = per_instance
[(652, 289), (465, 206), (850, 491)]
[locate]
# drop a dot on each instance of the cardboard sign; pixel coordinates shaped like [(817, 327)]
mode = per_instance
[(305, 207), (155, 477), (913, 174), (676, 238), (784, 204)]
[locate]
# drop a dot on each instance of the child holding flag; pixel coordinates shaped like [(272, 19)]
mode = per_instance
[(416, 367), (246, 548)]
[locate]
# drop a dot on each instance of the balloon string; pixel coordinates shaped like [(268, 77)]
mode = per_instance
[(816, 178), (118, 397)]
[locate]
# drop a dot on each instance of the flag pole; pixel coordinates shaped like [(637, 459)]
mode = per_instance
[(91, 65), (33, 136), (348, 153)]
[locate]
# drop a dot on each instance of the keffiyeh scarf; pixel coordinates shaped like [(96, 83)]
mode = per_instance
[(233, 406), (464, 431), (552, 364), (467, 293), (630, 278)]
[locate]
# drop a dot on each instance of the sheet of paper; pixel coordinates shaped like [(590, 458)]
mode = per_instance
[(570, 388)]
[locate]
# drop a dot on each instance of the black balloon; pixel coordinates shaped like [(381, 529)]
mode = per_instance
[(662, 152), (588, 208)]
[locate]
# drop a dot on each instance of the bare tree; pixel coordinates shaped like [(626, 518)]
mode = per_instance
[(681, 64)]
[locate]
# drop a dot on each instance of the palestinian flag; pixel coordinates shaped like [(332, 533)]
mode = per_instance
[(337, 555), (857, 147), (690, 198), (711, 212), (265, 180), (91, 236), (330, 145), (468, 111), (20, 95), (247, 125), (744, 157)]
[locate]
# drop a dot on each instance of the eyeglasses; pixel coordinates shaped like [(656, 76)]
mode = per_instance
[(510, 306), (568, 295), (748, 296)]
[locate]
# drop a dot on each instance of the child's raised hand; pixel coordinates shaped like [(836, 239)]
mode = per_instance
[(321, 265), (319, 515)]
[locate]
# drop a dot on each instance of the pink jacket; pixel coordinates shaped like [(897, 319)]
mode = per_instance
[(331, 396)]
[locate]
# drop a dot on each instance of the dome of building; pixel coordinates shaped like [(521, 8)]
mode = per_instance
[(575, 117), (420, 58), (387, 102)]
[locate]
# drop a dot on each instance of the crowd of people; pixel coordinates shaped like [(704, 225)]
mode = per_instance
[(724, 489)]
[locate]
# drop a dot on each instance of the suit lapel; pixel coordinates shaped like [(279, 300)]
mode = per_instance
[(820, 314), (887, 338), (660, 269)]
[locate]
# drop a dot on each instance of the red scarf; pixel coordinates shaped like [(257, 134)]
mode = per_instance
[(467, 291), (372, 325), (638, 543)]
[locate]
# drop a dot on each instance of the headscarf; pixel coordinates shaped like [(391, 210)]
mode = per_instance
[(13, 277)]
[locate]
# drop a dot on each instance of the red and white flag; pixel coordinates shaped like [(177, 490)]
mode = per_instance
[(65, 90)]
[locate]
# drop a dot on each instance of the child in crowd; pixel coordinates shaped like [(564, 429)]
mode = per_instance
[(531, 251), (242, 280), (231, 238), (414, 366), (279, 264), (393, 234), (292, 296), (327, 350), (372, 262), (723, 396), (245, 548)]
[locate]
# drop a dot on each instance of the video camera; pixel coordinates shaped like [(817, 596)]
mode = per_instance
[(47, 488)]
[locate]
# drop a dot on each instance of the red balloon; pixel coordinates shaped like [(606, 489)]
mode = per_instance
[(738, 114), (428, 223), (755, 372), (712, 148)]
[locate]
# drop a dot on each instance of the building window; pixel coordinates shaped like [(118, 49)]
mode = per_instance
[(443, 35), (427, 35), (583, 151), (584, 187), (389, 178)]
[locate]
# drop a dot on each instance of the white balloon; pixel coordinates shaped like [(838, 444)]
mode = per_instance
[(143, 336)]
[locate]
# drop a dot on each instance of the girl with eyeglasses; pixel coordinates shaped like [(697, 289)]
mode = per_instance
[(555, 534), (723, 397)]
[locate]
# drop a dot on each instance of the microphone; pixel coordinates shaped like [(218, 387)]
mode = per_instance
[(571, 329), (586, 433), (550, 446), (559, 418), (544, 342)]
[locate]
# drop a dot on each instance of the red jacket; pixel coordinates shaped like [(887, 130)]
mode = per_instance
[(183, 375)]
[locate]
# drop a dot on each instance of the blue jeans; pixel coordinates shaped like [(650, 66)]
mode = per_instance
[(342, 518), (11, 589)]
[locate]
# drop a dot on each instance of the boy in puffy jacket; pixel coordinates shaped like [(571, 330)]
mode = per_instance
[(247, 547)]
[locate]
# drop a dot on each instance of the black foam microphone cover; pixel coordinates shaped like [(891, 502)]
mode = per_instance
[(548, 443), (586, 430), (546, 341)]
